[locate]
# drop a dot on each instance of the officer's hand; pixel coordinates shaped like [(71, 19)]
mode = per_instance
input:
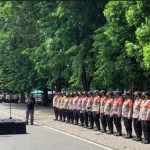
[(129, 117), (119, 116), (97, 112), (147, 119), (139, 119)]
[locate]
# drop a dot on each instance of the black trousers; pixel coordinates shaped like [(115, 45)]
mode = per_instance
[(60, 114), (128, 124), (75, 115), (109, 122), (70, 117), (103, 120), (56, 112), (80, 116), (137, 127), (85, 116), (117, 122), (146, 129), (63, 114), (96, 119), (90, 118)]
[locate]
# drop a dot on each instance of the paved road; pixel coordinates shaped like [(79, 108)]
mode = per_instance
[(42, 138)]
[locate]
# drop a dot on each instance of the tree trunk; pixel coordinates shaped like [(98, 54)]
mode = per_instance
[(22, 100), (86, 82), (58, 85), (45, 96)]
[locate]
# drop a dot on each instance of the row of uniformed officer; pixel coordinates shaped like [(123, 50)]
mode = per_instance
[(92, 108)]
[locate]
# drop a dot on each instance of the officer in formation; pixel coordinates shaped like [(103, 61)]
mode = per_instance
[(92, 109)]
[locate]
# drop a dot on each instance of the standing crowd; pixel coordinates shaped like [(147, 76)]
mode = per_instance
[(90, 109)]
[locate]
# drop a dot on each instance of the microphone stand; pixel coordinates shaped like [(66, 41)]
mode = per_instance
[(10, 108)]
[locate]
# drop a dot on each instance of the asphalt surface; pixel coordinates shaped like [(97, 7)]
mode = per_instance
[(39, 137)]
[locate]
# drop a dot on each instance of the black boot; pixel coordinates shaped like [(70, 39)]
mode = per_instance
[(103, 131), (90, 127), (138, 138), (126, 136), (129, 136), (96, 129), (146, 141), (134, 139)]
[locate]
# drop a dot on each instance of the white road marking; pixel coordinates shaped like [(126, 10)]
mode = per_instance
[(99, 145)]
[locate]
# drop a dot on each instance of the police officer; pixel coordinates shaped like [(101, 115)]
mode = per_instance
[(30, 109), (96, 110), (145, 117), (54, 106), (102, 116), (58, 106), (65, 112), (89, 110), (107, 112), (135, 116), (116, 111), (75, 111), (84, 110), (127, 110), (70, 118), (62, 110), (79, 108)]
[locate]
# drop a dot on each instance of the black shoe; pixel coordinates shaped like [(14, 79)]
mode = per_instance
[(143, 140), (71, 122), (146, 142), (125, 136), (129, 136), (81, 125), (55, 119), (96, 129), (63, 120), (26, 123), (75, 123), (90, 127), (60, 120), (31, 123), (134, 139), (138, 139), (118, 134), (110, 132), (102, 131)]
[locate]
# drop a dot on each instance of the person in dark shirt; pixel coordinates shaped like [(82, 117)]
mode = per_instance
[(30, 109)]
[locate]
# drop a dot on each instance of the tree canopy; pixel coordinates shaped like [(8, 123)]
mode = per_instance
[(74, 45)]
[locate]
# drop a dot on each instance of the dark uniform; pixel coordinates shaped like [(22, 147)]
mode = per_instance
[(30, 109)]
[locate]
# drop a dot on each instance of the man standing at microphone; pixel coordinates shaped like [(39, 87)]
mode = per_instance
[(30, 109)]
